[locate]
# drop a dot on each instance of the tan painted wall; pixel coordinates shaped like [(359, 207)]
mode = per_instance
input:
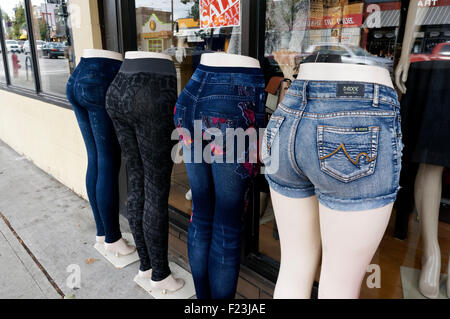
[(85, 25), (48, 134)]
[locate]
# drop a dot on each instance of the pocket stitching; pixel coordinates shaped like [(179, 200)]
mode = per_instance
[(374, 130)]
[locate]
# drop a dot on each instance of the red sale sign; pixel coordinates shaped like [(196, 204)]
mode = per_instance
[(219, 13)]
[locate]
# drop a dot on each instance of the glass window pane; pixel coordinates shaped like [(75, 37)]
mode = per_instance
[(349, 31), (53, 44), (16, 35), (2, 70), (173, 27)]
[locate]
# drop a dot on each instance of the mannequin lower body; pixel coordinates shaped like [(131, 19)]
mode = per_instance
[(141, 107), (345, 241), (102, 148), (219, 185), (427, 191), (333, 166)]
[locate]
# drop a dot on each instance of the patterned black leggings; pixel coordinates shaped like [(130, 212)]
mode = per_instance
[(141, 106)]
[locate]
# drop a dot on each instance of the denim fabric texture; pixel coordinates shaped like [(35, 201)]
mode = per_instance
[(86, 91), (141, 105), (339, 140), (218, 98)]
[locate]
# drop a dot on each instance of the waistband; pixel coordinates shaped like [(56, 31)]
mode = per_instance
[(103, 62), (229, 75), (343, 90), (149, 65)]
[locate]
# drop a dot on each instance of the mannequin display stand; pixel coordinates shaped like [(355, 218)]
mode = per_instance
[(226, 91), (118, 262), (86, 90), (140, 102), (188, 291)]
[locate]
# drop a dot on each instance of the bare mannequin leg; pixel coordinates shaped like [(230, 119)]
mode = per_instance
[(298, 226), (349, 241), (427, 193), (448, 279)]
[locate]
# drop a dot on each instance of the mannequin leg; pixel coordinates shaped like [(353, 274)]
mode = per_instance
[(107, 189), (349, 241), (200, 228), (92, 172), (448, 278), (427, 192), (135, 175), (298, 226), (225, 249)]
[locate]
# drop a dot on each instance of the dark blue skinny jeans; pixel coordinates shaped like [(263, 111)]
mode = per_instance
[(86, 91), (217, 99)]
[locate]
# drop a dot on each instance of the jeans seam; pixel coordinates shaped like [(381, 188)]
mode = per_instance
[(292, 146), (350, 113)]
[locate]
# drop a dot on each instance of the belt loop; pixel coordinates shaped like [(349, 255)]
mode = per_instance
[(376, 94), (305, 98)]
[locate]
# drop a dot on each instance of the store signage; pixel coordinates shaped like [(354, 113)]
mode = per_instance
[(349, 16), (219, 13), (427, 3)]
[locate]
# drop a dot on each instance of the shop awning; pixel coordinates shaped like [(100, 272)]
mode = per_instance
[(425, 16), (389, 18), (433, 15)]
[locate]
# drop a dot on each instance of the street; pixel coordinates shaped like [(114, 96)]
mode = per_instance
[(54, 73)]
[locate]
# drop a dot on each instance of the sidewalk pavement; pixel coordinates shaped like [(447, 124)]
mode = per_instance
[(44, 228)]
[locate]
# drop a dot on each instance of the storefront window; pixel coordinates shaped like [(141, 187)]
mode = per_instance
[(2, 68), (53, 44), (16, 37), (2, 72), (173, 27), (367, 32), (358, 32)]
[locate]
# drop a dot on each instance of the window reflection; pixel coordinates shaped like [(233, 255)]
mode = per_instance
[(173, 27), (16, 35), (53, 44)]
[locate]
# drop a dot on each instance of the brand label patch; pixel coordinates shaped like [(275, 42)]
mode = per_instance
[(350, 90)]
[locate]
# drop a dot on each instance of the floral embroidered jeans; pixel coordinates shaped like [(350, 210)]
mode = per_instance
[(217, 116)]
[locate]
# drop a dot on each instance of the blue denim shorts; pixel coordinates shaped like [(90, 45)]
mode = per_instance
[(338, 140)]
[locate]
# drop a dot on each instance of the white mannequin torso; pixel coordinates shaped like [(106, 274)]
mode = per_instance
[(344, 72), (130, 55), (95, 53), (220, 59)]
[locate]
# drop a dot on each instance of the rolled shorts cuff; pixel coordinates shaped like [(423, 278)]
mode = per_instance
[(356, 204), (289, 191)]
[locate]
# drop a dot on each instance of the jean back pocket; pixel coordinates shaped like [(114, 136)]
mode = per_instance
[(347, 154)]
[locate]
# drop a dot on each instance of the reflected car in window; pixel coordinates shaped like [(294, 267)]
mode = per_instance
[(349, 54), (12, 46), (53, 50), (39, 46), (439, 52)]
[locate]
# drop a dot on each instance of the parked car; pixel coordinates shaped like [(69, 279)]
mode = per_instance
[(53, 50), (12, 46), (21, 43), (439, 52), (350, 54), (39, 45)]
